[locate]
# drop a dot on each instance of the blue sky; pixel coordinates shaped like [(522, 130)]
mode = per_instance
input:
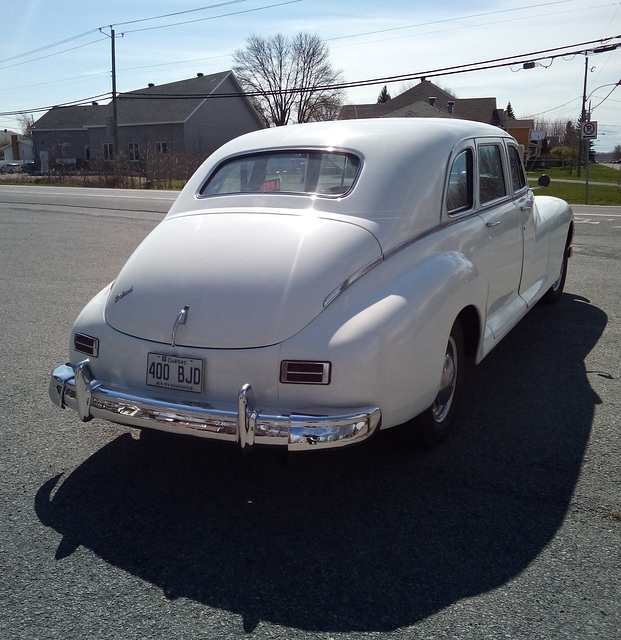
[(367, 40)]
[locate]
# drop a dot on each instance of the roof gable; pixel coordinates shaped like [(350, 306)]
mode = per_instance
[(173, 102), (424, 91), (427, 100), (419, 109)]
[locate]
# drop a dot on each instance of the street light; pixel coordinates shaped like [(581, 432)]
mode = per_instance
[(583, 117)]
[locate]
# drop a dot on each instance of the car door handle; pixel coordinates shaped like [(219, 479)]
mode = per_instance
[(526, 207), (493, 223)]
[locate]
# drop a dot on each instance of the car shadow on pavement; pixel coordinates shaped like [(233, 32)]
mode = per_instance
[(370, 538)]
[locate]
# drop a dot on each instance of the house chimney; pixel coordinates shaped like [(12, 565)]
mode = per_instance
[(95, 103), (151, 85), (432, 101), (199, 75), (14, 147), (451, 106)]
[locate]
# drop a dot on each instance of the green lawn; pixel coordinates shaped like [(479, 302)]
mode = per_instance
[(597, 173), (575, 192)]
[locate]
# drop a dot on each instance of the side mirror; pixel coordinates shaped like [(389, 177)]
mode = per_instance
[(544, 180)]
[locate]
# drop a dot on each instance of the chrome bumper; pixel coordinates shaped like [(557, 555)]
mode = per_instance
[(77, 389)]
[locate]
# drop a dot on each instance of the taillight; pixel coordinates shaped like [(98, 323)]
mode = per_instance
[(305, 372), (86, 344)]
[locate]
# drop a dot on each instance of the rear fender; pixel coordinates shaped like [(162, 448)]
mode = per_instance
[(386, 335)]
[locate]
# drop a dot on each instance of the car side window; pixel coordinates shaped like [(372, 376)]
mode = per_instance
[(517, 170), (491, 177), (459, 195)]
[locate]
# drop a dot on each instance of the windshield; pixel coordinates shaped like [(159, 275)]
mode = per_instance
[(300, 172)]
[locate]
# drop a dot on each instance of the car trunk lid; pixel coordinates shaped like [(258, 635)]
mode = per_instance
[(247, 280)]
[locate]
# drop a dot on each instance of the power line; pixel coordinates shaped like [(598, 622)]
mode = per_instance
[(48, 46), (73, 103), (51, 55), (224, 15), (229, 2), (606, 98), (178, 13), (445, 20), (96, 29), (53, 45), (544, 54)]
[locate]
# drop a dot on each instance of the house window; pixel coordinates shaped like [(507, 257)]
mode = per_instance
[(161, 147), (87, 153), (108, 151), (132, 151)]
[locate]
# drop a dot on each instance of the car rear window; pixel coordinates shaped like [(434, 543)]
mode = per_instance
[(300, 172)]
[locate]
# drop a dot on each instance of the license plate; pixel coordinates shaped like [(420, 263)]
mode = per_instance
[(175, 372)]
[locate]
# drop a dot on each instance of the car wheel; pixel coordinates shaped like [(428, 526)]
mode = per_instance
[(554, 293), (433, 425)]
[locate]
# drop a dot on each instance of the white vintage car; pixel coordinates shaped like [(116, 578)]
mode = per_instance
[(315, 283)]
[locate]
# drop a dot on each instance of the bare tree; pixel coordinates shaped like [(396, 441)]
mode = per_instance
[(556, 130), (26, 122), (289, 79), (568, 150)]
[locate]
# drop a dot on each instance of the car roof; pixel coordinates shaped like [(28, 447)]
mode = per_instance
[(362, 135), (399, 191)]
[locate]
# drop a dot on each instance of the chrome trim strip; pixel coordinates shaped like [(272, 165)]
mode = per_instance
[(394, 251), (243, 423), (347, 283)]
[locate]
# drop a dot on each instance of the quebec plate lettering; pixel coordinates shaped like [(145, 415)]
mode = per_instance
[(175, 372)]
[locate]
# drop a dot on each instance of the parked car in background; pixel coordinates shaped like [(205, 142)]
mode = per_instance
[(11, 167), (315, 283)]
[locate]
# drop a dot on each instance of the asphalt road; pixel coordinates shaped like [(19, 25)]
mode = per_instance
[(511, 529)]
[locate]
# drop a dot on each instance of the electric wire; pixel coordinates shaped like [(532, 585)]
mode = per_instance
[(224, 15), (479, 66), (51, 55), (178, 13), (544, 54), (458, 18)]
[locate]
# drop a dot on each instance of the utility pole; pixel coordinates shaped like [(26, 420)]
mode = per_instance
[(582, 142), (115, 116), (113, 130)]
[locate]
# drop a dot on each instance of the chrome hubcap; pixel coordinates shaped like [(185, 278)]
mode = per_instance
[(444, 399)]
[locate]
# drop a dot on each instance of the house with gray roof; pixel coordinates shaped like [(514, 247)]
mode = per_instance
[(186, 118)]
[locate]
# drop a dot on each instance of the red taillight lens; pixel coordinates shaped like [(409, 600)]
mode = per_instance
[(305, 372)]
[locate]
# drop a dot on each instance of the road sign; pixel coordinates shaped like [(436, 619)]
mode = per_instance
[(589, 130)]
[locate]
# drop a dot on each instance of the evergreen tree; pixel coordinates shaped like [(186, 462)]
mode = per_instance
[(510, 113), (384, 96)]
